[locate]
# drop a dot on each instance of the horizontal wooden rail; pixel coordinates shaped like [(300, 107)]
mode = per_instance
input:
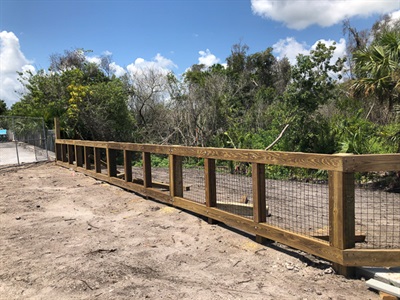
[(339, 249)]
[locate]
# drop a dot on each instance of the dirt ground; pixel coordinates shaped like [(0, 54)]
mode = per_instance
[(64, 235)]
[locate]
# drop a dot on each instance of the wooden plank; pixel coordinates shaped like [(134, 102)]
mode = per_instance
[(57, 136), (79, 155), (175, 176), (358, 238), (128, 165), (373, 162), (312, 246), (259, 203), (146, 169), (57, 129), (157, 184), (294, 159), (64, 157), (58, 149), (111, 162), (381, 286), (371, 257), (149, 192), (386, 296), (97, 160), (342, 215), (348, 163)]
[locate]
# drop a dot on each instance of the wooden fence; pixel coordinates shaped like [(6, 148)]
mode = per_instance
[(85, 157)]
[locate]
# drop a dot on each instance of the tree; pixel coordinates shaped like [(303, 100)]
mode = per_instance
[(3, 107), (378, 69), (90, 105)]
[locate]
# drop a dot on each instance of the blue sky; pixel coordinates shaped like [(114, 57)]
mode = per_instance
[(170, 34)]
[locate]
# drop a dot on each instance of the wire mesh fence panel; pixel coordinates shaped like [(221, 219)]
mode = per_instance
[(23, 140), (193, 179), (103, 160), (137, 167), (234, 188), (298, 200), (89, 158), (160, 171), (377, 210)]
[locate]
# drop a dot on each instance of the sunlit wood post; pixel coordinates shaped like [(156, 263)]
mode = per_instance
[(175, 176), (97, 160), (147, 170), (342, 215), (128, 165), (259, 203), (111, 162), (79, 156), (57, 131)]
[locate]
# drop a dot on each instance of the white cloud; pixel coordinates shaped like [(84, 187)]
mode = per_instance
[(394, 17), (12, 60), (107, 53), (207, 58), (117, 70), (299, 14), (94, 59), (290, 48), (159, 64)]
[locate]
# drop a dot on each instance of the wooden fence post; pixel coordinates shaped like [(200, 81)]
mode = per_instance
[(87, 153), (175, 176), (57, 131), (78, 156), (111, 162), (210, 185), (342, 215), (146, 170), (71, 155), (128, 165), (259, 203)]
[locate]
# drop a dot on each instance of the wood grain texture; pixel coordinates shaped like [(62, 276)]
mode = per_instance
[(371, 257), (128, 165), (259, 203), (340, 248), (146, 169), (175, 176)]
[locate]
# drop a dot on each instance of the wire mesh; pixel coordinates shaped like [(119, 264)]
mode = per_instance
[(194, 179), (137, 167), (160, 171), (377, 210), (23, 140), (234, 188), (298, 200)]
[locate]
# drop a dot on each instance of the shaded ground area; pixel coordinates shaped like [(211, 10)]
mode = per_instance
[(64, 235)]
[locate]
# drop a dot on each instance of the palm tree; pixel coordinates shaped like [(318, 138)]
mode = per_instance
[(378, 68)]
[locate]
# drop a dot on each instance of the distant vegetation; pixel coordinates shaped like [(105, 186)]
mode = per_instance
[(324, 106)]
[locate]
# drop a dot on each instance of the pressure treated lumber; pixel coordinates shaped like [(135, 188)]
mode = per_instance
[(381, 286)]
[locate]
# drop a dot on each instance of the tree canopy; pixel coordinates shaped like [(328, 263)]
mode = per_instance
[(315, 105)]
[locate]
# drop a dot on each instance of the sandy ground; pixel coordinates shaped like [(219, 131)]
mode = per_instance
[(64, 235)]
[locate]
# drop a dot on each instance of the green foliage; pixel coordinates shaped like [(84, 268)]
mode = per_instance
[(159, 161), (3, 107)]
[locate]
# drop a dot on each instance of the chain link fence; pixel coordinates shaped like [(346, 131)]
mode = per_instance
[(24, 140)]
